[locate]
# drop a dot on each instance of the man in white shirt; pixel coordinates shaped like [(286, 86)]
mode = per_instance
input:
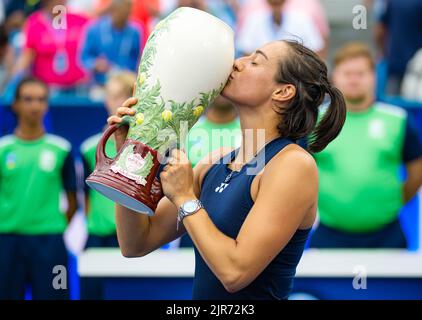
[(278, 24)]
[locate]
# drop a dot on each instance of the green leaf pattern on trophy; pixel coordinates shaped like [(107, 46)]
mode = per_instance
[(121, 162), (150, 49), (208, 97), (161, 122)]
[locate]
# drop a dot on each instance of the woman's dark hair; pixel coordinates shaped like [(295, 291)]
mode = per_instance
[(308, 73)]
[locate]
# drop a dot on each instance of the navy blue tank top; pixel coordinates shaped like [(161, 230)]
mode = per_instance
[(226, 197)]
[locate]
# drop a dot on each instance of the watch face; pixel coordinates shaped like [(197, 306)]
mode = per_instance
[(190, 206)]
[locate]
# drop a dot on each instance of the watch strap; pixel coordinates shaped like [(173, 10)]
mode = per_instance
[(182, 214)]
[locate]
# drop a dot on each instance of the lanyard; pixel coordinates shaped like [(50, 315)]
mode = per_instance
[(59, 37)]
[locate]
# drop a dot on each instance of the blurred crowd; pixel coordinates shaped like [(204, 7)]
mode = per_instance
[(74, 45), (366, 175)]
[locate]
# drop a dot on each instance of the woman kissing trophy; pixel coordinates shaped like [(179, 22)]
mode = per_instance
[(184, 67)]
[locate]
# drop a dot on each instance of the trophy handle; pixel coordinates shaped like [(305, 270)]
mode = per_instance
[(100, 155)]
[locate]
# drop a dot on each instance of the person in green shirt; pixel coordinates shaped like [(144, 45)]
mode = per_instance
[(36, 170), (219, 127), (100, 210), (361, 191)]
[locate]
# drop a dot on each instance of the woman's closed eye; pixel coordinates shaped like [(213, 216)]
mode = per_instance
[(256, 60)]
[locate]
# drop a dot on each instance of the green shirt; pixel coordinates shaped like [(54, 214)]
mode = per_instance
[(101, 213), (360, 189), (31, 184), (207, 136)]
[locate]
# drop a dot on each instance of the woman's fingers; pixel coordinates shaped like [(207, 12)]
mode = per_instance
[(129, 102), (179, 156), (123, 111), (114, 120)]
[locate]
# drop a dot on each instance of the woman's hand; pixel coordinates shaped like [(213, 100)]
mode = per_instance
[(177, 178), (121, 133)]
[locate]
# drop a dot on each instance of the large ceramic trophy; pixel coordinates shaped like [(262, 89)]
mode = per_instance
[(185, 65)]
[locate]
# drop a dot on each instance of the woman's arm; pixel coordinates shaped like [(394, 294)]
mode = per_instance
[(140, 234), (287, 194)]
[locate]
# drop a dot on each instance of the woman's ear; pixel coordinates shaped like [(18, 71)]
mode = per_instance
[(284, 92)]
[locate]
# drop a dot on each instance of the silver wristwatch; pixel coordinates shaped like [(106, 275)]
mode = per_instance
[(188, 208)]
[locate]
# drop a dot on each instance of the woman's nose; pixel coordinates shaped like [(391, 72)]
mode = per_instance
[(238, 65)]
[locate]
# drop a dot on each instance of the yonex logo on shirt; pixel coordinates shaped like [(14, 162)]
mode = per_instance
[(221, 188)]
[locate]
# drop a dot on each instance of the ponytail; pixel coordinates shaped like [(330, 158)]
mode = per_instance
[(299, 118), (331, 123)]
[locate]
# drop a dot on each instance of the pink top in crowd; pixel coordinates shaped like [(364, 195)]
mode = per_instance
[(46, 42)]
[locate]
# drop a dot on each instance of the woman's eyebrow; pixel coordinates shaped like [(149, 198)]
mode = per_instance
[(261, 53)]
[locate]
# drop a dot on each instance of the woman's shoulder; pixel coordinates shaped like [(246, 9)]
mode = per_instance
[(293, 171), (294, 160), (294, 150)]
